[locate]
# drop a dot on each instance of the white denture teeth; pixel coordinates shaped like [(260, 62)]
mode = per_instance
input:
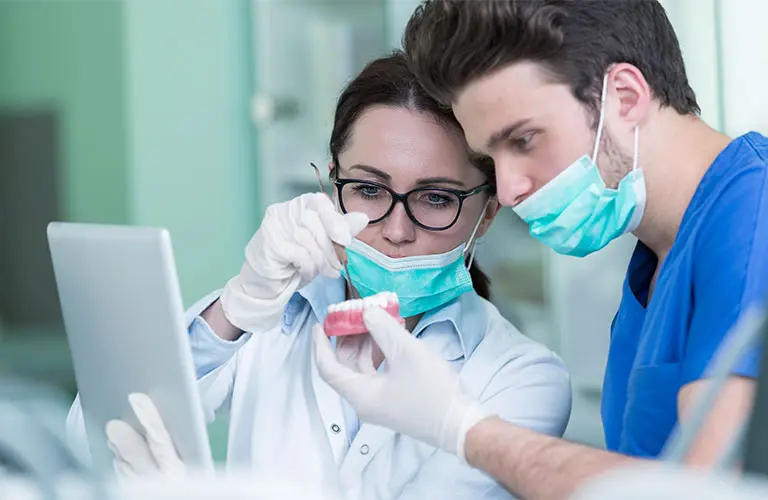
[(372, 301), (381, 299)]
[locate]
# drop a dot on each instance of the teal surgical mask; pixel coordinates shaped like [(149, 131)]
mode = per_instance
[(575, 213), (422, 282)]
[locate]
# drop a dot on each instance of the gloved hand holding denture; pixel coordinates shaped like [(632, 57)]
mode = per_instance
[(297, 241), (424, 396)]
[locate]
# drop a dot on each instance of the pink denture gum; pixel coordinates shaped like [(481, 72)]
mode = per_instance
[(346, 318)]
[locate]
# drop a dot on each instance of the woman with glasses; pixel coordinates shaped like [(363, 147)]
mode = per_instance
[(407, 205)]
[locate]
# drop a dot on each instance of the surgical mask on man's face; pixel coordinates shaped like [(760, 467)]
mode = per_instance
[(422, 282), (576, 213)]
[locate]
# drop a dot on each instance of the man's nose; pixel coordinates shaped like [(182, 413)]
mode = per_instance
[(512, 187), (398, 227)]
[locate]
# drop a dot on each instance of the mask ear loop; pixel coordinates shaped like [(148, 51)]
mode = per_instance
[(470, 248), (635, 159), (601, 120)]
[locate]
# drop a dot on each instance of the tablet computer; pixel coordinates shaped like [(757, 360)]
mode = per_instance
[(125, 326)]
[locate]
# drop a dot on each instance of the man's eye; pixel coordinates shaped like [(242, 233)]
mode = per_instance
[(522, 143)]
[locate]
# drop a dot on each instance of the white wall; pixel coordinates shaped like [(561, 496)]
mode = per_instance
[(725, 46), (744, 61), (695, 22), (398, 13)]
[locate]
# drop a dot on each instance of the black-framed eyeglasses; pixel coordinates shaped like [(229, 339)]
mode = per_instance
[(431, 208)]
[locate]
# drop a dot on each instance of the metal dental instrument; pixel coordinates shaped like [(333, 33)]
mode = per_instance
[(340, 251)]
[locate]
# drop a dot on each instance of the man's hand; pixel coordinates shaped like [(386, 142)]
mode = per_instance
[(732, 408), (419, 394), (136, 455)]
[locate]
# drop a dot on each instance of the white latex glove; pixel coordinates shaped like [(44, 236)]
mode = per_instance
[(359, 352), (291, 248), (419, 395), (136, 455)]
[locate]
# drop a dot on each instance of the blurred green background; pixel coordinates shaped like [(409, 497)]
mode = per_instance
[(134, 113)]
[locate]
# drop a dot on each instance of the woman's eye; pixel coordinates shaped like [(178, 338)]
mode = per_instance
[(436, 199), (367, 191)]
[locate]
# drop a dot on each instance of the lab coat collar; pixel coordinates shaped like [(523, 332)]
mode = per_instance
[(466, 313), (322, 292)]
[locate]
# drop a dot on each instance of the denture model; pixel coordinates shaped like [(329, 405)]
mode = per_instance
[(346, 318)]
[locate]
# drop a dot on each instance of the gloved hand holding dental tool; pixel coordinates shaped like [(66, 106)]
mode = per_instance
[(294, 244)]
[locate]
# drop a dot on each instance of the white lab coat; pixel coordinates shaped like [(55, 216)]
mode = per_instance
[(286, 422)]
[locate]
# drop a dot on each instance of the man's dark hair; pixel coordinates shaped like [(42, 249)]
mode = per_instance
[(451, 43)]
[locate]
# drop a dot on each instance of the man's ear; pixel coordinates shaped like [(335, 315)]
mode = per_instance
[(630, 94), (491, 211)]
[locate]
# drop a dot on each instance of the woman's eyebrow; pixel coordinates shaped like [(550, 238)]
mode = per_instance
[(372, 170), (428, 181)]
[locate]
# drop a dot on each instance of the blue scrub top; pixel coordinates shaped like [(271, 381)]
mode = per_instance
[(716, 268)]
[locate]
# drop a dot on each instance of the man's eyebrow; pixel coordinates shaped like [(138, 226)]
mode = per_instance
[(505, 133)]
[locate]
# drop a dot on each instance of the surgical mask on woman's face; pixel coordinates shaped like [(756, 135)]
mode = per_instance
[(422, 282), (575, 213)]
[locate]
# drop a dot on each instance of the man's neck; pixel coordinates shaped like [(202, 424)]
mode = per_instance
[(677, 153)]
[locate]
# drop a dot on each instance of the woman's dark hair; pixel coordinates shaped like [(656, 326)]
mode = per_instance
[(389, 82)]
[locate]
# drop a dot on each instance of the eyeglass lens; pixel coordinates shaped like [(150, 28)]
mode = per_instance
[(432, 208)]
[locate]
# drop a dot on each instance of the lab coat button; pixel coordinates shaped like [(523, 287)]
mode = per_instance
[(287, 319), (335, 428), (364, 449)]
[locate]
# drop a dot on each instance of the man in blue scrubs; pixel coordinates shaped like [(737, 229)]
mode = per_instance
[(586, 110)]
